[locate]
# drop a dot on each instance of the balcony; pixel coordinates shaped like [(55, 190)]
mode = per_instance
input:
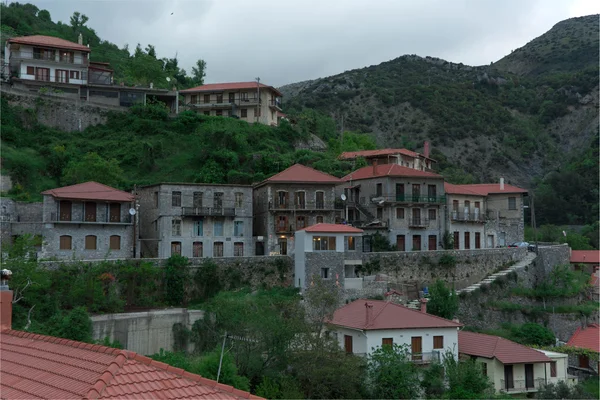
[(306, 206), (425, 358), (76, 59), (224, 103), (208, 211), (364, 224), (405, 198), (418, 222), (456, 216), (80, 219), (521, 386), (276, 104)]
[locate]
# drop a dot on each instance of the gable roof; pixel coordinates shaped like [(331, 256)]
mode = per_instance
[(89, 191), (585, 256), (331, 228), (506, 351), (350, 155), (586, 338), (450, 188), (377, 171), (219, 87), (484, 189), (45, 367), (386, 315), (299, 173), (49, 41)]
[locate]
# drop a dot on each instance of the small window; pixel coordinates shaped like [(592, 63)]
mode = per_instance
[(90, 242), (218, 249), (197, 199), (155, 199), (319, 219), (219, 98), (387, 342), (74, 74), (175, 248), (65, 242), (244, 113), (553, 369), (432, 214), (218, 228), (197, 249), (198, 228), (238, 228), (484, 369), (399, 213), (115, 242), (194, 98), (239, 200), (351, 243), (238, 249), (176, 227), (438, 342), (176, 199), (30, 71), (512, 203), (207, 98), (584, 361), (325, 273)]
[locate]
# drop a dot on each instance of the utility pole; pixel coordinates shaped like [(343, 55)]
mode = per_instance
[(221, 360), (257, 98)]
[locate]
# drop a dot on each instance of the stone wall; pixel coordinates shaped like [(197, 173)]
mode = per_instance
[(144, 332), (549, 257), (424, 267)]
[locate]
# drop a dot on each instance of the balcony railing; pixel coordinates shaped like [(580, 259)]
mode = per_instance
[(275, 104), (80, 219), (418, 222), (309, 205), (467, 217), (521, 385), (425, 358), (225, 102), (363, 224), (208, 211), (405, 198), (49, 57)]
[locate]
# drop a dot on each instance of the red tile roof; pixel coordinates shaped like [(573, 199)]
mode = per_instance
[(386, 315), (586, 338), (331, 228), (49, 41), (388, 170), (45, 367), (449, 188), (585, 256), (350, 155), (492, 188), (506, 351), (90, 191), (220, 87), (299, 173)]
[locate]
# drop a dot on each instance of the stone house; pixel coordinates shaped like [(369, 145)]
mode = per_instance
[(587, 337), (402, 157), (293, 199), (466, 218), (87, 221), (404, 204), (195, 220), (19, 218)]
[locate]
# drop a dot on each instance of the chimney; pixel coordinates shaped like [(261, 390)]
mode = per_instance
[(423, 306), (501, 183), (426, 149), (6, 297), (80, 39), (374, 167), (151, 85), (456, 320), (369, 312)]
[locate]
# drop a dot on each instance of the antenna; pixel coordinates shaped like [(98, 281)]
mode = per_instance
[(132, 211), (343, 197)]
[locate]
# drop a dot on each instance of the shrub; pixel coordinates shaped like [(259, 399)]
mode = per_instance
[(447, 261), (442, 301), (534, 334), (176, 276)]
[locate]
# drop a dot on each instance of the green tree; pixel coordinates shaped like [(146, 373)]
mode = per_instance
[(78, 20), (443, 302), (391, 373), (176, 277), (534, 334), (562, 390), (465, 379), (198, 73), (76, 325), (93, 167), (209, 368)]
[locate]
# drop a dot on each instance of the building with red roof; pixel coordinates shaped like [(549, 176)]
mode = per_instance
[(45, 367), (403, 157), (587, 338), (466, 218), (364, 325), (87, 221), (248, 101), (589, 259), (512, 367), (291, 200)]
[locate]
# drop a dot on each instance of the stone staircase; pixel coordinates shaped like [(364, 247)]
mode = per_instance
[(529, 257)]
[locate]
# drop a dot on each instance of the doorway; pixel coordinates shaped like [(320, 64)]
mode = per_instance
[(401, 242), (529, 376), (65, 210), (416, 243), (432, 242), (508, 378), (348, 344), (283, 246), (416, 348)]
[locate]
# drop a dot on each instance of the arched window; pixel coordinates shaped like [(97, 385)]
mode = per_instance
[(90, 242), (66, 242), (115, 242)]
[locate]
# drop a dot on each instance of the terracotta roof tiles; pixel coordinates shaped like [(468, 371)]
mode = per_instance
[(90, 191), (586, 338), (350, 155), (585, 256), (377, 171), (331, 228), (450, 188), (506, 351), (49, 41), (219, 87), (299, 173), (485, 189)]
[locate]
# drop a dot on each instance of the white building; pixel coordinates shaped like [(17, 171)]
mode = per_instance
[(364, 325)]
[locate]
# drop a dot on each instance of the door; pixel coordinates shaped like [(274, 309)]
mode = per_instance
[(454, 209), (90, 211), (301, 200), (529, 376), (416, 192), (348, 344), (320, 199), (502, 239), (260, 249), (508, 377), (456, 240), (431, 193), (232, 97), (115, 212), (175, 248), (401, 242), (65, 210), (416, 216), (399, 192), (477, 240), (416, 348), (467, 240), (42, 74), (283, 247), (416, 243), (432, 242), (61, 76)]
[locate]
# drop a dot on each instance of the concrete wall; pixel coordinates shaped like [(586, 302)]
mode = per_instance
[(144, 332), (5, 183), (505, 223)]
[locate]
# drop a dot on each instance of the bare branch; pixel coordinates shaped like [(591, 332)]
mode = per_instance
[(19, 293), (29, 318)]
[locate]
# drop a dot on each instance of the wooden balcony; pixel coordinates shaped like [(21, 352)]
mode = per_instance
[(208, 211)]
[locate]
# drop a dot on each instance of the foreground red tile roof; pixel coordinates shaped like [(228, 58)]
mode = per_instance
[(506, 351), (449, 188), (492, 188), (49, 41), (219, 87), (331, 228), (299, 173), (350, 155), (586, 338), (386, 315), (89, 191), (585, 256), (378, 171), (46, 367)]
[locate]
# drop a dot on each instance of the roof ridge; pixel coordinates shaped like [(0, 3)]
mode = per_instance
[(378, 314), (428, 314)]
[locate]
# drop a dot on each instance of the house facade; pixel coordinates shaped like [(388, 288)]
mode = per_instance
[(195, 220), (585, 338), (364, 325), (292, 200), (402, 157), (87, 221), (248, 101), (466, 218), (404, 204)]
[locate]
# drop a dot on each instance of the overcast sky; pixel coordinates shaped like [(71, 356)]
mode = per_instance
[(287, 41)]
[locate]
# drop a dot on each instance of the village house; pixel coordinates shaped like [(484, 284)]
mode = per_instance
[(404, 204), (402, 157), (87, 221), (512, 367), (588, 260), (364, 325), (291, 200), (195, 220), (466, 218), (248, 101), (587, 338)]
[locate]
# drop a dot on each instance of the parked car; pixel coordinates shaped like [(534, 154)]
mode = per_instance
[(519, 244)]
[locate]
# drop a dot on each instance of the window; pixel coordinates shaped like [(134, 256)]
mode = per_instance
[(438, 342), (484, 369), (90, 211), (176, 227), (432, 214), (512, 203), (387, 342), (218, 200), (399, 213), (351, 243), (432, 192), (584, 361), (30, 71), (197, 249), (239, 200), (194, 98), (218, 249), (282, 223), (206, 98), (348, 344), (416, 243), (74, 74), (282, 199), (456, 240), (467, 240), (553, 369), (219, 98), (66, 56), (416, 192), (90, 242), (232, 97), (455, 205), (324, 243), (399, 191), (62, 76), (197, 199), (244, 96), (198, 229), (300, 200), (319, 219), (219, 113), (155, 199), (65, 242), (325, 273), (238, 228), (115, 212), (477, 240), (175, 248), (115, 242), (176, 199), (320, 200), (238, 249), (379, 189), (300, 222), (244, 113), (218, 228)]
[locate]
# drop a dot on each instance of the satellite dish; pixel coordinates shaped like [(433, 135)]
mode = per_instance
[(343, 197), (132, 211), (169, 79)]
